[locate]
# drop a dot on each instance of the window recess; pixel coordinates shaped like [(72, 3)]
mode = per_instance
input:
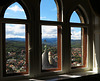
[(78, 47), (51, 32), (51, 48), (78, 29), (15, 41)]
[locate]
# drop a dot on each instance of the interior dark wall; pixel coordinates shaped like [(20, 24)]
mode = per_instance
[(4, 2), (95, 5)]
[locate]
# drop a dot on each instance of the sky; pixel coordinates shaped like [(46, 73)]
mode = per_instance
[(48, 11), (49, 31)]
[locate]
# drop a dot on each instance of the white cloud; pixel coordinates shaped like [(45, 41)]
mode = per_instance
[(76, 33), (15, 31), (14, 36), (49, 31), (15, 8), (54, 9), (44, 18), (18, 31)]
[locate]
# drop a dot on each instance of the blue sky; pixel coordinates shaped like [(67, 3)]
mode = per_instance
[(15, 30), (75, 18), (48, 11), (15, 11)]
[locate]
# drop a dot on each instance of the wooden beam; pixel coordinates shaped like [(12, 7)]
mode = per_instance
[(78, 25), (54, 23), (14, 21)]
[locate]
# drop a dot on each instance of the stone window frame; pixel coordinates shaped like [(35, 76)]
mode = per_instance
[(3, 23), (59, 25)]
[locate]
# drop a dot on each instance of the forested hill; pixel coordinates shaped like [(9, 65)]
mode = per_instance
[(76, 43), (50, 41), (15, 39), (53, 41)]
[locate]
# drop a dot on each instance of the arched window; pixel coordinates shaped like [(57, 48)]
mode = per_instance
[(15, 40), (50, 14), (75, 18), (15, 11), (48, 10), (78, 39)]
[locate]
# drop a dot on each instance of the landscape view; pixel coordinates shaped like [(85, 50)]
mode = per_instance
[(15, 39), (15, 48), (49, 47), (76, 53), (15, 55), (49, 53), (76, 47)]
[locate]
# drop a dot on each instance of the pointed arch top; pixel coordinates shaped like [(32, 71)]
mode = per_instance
[(75, 17), (15, 11), (79, 15)]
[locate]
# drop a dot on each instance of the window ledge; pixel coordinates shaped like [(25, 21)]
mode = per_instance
[(78, 75)]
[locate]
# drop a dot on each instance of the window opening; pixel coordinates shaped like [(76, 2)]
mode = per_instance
[(75, 18), (15, 40), (15, 47), (15, 11), (48, 10), (51, 54), (51, 35), (76, 47), (78, 41)]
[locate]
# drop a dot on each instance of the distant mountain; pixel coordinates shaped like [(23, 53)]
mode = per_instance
[(50, 41), (53, 42), (76, 43), (15, 39)]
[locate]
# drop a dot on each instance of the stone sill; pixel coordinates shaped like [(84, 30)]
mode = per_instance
[(69, 77)]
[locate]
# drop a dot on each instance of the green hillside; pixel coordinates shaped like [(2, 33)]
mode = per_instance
[(76, 43)]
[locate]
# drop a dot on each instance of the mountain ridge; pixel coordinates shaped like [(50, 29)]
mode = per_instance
[(44, 39), (49, 41), (15, 39)]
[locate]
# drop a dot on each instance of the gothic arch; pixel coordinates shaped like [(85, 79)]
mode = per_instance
[(22, 4), (82, 13)]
